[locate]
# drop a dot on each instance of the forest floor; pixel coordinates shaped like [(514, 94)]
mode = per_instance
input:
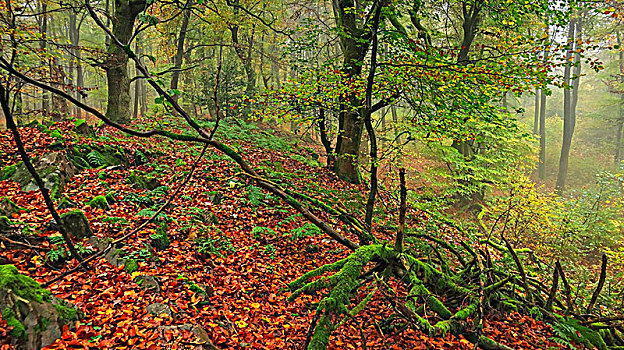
[(233, 250)]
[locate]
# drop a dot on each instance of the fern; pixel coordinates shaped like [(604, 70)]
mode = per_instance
[(307, 230), (259, 231), (255, 195), (95, 159)]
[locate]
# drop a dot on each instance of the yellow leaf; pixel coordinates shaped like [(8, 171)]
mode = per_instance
[(255, 305)]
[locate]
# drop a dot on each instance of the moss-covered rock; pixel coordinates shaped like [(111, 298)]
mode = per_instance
[(110, 198), (143, 181), (8, 171), (99, 202), (160, 240), (98, 156), (82, 127), (37, 317), (54, 168), (8, 207), (5, 224), (66, 203), (131, 265), (76, 224)]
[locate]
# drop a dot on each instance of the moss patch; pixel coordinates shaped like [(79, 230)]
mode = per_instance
[(22, 285), (18, 330), (99, 202), (7, 171), (131, 265)]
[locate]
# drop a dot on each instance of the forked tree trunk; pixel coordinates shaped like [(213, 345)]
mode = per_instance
[(569, 105)]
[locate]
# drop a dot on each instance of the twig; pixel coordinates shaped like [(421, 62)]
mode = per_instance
[(566, 285), (553, 290), (603, 275), (520, 269), (402, 209), (25, 245)]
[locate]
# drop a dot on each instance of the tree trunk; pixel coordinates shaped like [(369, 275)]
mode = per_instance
[(118, 108), (568, 113), (541, 169), (43, 28), (177, 61), (617, 159), (537, 110), (78, 81), (354, 43)]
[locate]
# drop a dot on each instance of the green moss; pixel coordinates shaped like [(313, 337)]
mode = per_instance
[(65, 203), (131, 265), (66, 313), (56, 134), (18, 330), (56, 188), (10, 206), (110, 198), (99, 202), (5, 223), (7, 172), (79, 122), (22, 285)]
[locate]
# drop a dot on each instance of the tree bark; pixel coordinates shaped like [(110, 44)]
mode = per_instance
[(541, 169), (617, 159), (537, 110), (43, 29), (354, 43), (569, 104), (177, 61), (118, 108)]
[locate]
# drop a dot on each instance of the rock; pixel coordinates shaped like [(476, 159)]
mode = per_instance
[(199, 332), (99, 202), (37, 317), (150, 283), (8, 207), (143, 181), (66, 203), (215, 197), (93, 156), (54, 168), (158, 309), (8, 171), (6, 225), (82, 127), (160, 240), (76, 223)]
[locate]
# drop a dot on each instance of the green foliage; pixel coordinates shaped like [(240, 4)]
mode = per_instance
[(270, 250), (255, 195), (161, 191), (307, 230), (149, 212), (160, 239), (219, 246), (260, 231), (8, 171), (96, 159), (138, 199), (569, 330), (115, 220)]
